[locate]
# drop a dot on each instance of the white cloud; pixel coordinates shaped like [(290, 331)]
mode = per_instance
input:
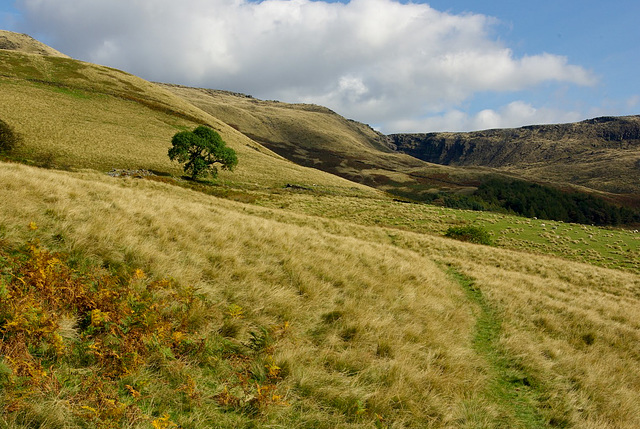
[(515, 114), (378, 61)]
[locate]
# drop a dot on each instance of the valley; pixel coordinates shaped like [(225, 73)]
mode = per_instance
[(283, 294)]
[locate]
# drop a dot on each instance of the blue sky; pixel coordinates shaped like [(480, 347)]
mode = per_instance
[(602, 36), (399, 66)]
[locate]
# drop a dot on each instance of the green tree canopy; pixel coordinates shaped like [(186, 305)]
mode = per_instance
[(199, 150)]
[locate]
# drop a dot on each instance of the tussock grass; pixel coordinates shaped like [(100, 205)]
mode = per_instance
[(86, 346), (378, 333), (572, 333), (278, 273), (606, 247)]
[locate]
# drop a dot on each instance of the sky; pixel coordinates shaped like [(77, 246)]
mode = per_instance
[(399, 66)]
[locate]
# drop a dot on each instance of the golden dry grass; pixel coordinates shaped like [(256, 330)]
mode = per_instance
[(378, 327), (24, 43), (382, 298), (79, 115)]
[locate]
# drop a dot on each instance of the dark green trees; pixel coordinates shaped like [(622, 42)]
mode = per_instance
[(199, 150)]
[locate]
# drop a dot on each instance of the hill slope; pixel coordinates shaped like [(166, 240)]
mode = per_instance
[(71, 114), (317, 137), (383, 326), (600, 158), (320, 305), (601, 153), (24, 43)]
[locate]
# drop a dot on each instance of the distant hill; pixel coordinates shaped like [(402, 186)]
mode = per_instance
[(11, 41), (601, 154), (317, 137)]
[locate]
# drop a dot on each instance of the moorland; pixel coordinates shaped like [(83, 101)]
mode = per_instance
[(280, 294)]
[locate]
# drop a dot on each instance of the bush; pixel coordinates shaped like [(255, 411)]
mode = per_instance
[(472, 234), (8, 138)]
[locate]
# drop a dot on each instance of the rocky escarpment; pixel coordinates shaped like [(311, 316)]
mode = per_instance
[(526, 145)]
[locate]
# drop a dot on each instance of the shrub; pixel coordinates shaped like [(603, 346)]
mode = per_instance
[(472, 234)]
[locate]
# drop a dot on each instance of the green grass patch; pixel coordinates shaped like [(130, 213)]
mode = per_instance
[(605, 247), (75, 93)]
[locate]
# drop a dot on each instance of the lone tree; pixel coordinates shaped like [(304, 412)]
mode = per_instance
[(199, 150)]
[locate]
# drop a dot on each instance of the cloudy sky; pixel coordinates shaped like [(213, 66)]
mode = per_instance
[(400, 66)]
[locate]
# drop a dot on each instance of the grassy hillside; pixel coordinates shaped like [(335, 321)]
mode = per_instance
[(315, 136), (385, 327), (605, 247), (74, 115), (247, 303), (24, 43), (595, 157)]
